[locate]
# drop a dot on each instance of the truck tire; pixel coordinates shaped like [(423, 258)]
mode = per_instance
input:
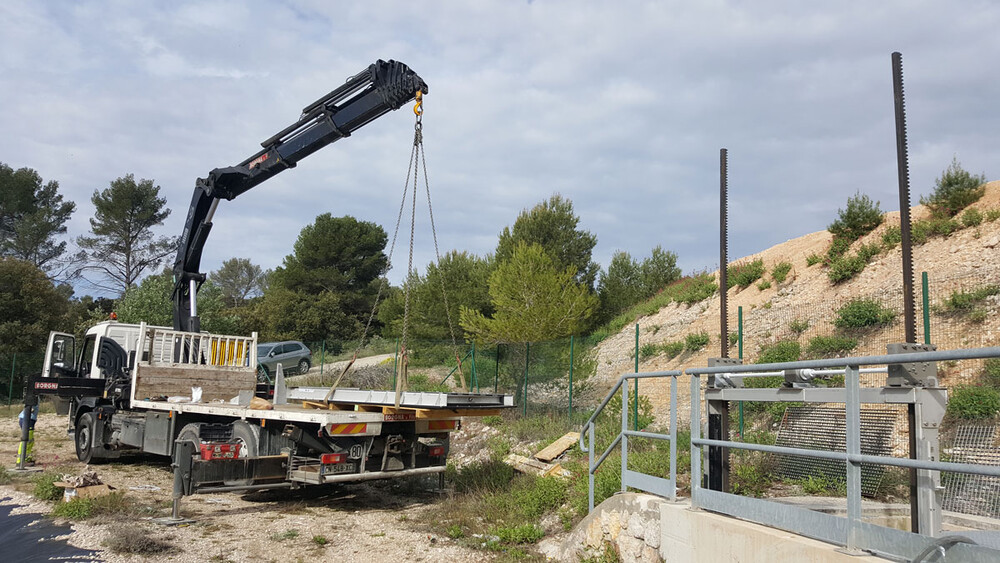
[(247, 437), (84, 438), (192, 433)]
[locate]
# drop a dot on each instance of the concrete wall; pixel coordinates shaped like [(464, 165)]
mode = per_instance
[(647, 528)]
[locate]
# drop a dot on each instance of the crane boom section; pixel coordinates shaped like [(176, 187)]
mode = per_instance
[(382, 87)]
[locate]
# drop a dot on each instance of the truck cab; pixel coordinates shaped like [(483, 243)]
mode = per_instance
[(61, 358)]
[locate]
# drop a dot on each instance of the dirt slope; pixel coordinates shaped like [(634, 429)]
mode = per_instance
[(808, 295)]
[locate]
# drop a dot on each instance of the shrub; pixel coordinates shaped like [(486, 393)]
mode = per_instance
[(798, 326), (745, 273), (696, 341), (526, 533), (286, 535), (973, 402), (76, 509), (693, 289), (845, 268), (647, 350), (763, 284), (955, 190), (992, 215), (781, 351), (734, 337), (780, 271), (822, 346), (863, 313), (838, 247), (861, 217), (320, 540), (891, 237), (813, 259), (868, 251), (972, 217), (672, 349)]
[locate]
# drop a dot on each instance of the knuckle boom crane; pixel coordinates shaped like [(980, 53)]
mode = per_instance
[(382, 87)]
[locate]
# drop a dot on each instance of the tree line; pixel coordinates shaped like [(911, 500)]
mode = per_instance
[(541, 282)]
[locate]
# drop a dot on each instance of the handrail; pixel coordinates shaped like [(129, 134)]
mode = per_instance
[(611, 393), (907, 358), (649, 483)]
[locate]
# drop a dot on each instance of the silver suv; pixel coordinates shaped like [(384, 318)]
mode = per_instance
[(294, 357)]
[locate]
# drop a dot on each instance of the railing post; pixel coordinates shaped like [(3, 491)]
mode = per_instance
[(635, 410), (853, 415), (590, 465), (673, 438), (624, 429), (695, 436)]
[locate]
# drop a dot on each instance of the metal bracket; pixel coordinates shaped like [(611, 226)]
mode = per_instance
[(723, 381), (916, 374)]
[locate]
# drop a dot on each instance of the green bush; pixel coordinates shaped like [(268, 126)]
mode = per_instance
[(838, 247), (45, 488), (992, 215), (921, 231), (696, 341), (973, 402), (693, 289), (798, 326), (744, 273), (868, 251), (824, 346), (75, 509), (780, 271), (813, 259), (863, 313), (734, 337), (972, 217), (964, 301), (526, 533), (891, 237), (955, 190), (647, 350), (672, 349), (861, 217), (845, 268), (763, 284), (781, 351)]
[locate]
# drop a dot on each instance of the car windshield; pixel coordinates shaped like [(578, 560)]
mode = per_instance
[(263, 350)]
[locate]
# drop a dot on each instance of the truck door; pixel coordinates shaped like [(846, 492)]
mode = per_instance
[(88, 357), (59, 355)]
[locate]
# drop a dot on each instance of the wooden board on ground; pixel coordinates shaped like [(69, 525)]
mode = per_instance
[(556, 449), (535, 467)]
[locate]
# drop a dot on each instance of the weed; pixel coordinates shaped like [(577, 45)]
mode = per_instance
[(965, 301), (844, 268), (813, 259), (608, 554), (992, 214), (76, 509), (647, 350), (763, 284), (525, 533), (798, 326), (977, 316), (972, 217), (826, 346), (696, 341), (780, 271), (745, 273), (492, 420), (973, 402), (493, 475), (923, 230), (672, 349), (863, 313), (45, 488), (991, 372), (734, 337), (781, 351), (286, 535), (868, 251), (692, 289), (320, 540), (135, 541), (455, 532)]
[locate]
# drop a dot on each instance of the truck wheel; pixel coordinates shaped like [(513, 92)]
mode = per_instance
[(246, 436), (303, 366), (192, 433), (84, 437)]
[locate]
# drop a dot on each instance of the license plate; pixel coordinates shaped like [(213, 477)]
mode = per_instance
[(338, 468)]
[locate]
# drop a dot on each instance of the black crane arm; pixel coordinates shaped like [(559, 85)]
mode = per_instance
[(382, 87)]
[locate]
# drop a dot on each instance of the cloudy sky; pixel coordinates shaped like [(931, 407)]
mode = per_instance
[(621, 107)]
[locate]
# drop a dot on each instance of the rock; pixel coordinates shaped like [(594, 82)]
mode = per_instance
[(635, 527)]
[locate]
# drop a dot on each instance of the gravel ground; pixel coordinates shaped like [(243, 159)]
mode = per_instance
[(379, 521)]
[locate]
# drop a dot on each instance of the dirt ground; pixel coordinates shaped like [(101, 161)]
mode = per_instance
[(379, 521)]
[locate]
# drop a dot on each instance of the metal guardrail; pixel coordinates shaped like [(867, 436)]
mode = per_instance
[(649, 483), (852, 533)]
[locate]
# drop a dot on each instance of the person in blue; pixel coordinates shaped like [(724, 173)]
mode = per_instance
[(28, 459)]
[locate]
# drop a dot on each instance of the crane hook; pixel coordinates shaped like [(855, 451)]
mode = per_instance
[(418, 109)]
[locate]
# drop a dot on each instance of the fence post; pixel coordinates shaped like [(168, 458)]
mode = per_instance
[(635, 410), (322, 360), (571, 377), (395, 359), (527, 354), (475, 379), (927, 308), (625, 398), (10, 390), (496, 373)]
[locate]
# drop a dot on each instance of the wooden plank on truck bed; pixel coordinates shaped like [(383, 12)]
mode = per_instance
[(556, 449), (221, 383)]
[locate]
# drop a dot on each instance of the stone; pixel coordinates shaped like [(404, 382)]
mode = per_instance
[(652, 533), (595, 535), (635, 527)]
